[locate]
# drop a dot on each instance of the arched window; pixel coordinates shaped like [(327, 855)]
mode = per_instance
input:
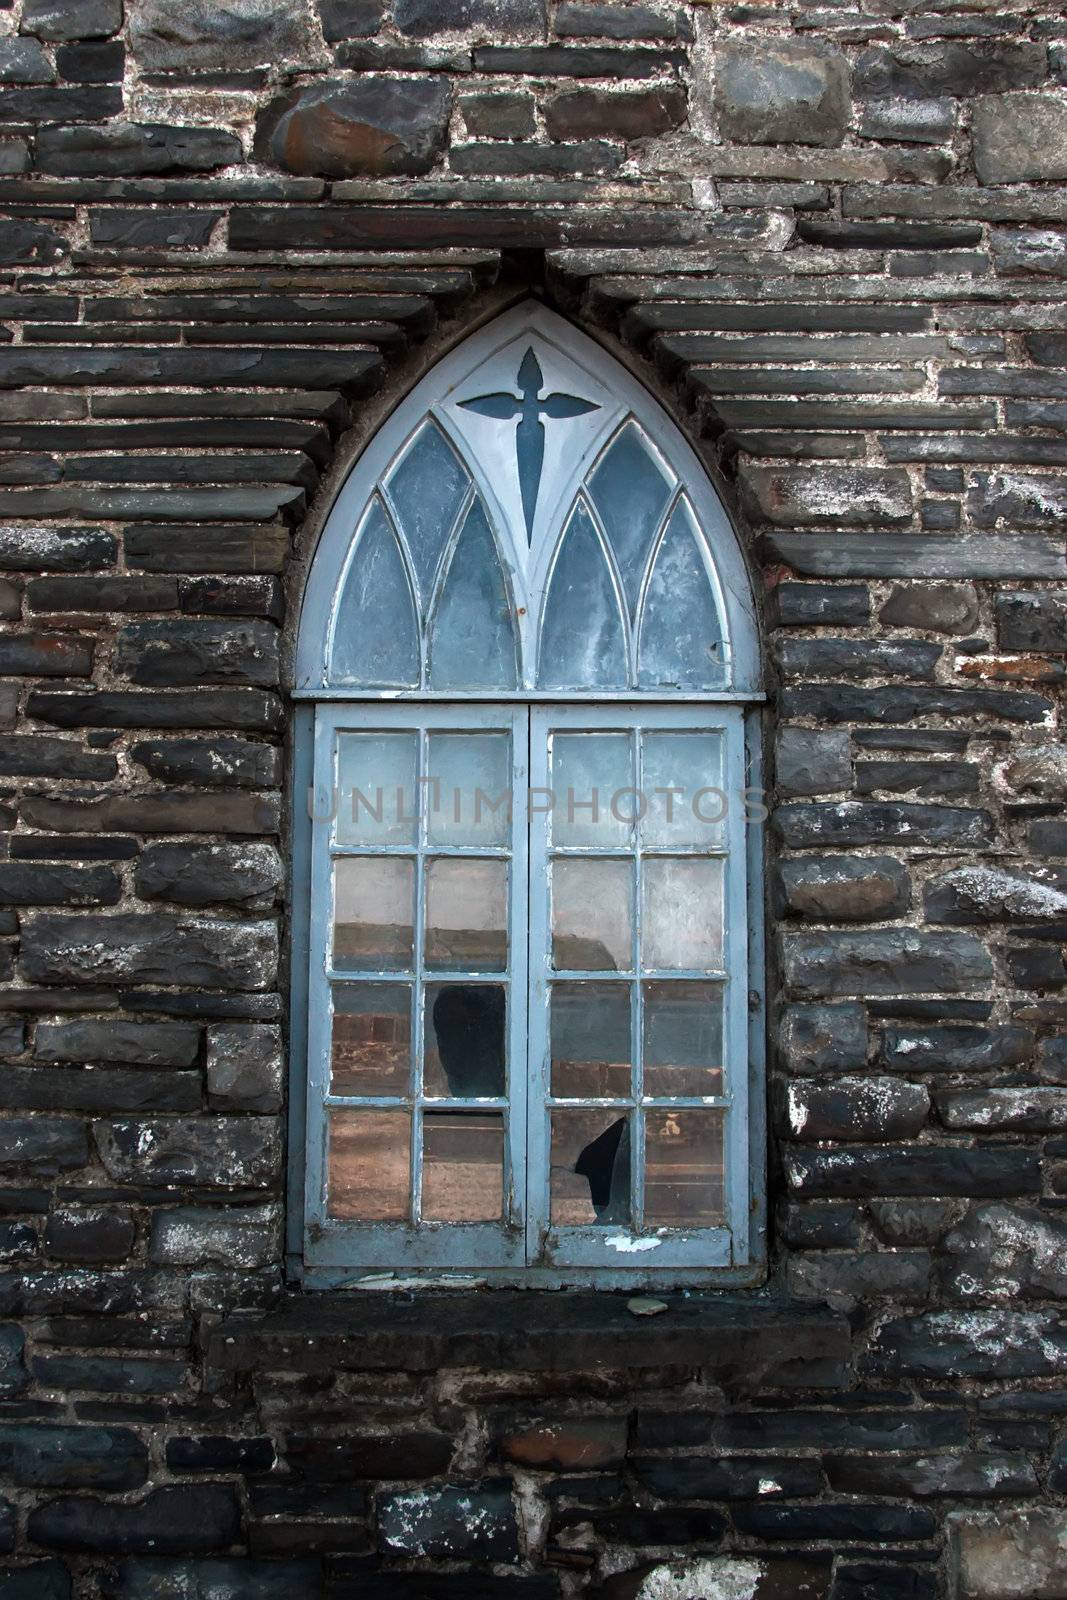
[(525, 653)]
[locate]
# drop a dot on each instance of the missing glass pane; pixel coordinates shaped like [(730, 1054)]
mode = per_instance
[(464, 1031), (590, 1040), (370, 1052), (683, 1169), (373, 913), (592, 917), (682, 1038), (590, 1168), (681, 914), (466, 914), (368, 1165), (462, 1166)]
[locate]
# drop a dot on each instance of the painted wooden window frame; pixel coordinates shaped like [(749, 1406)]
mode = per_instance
[(322, 1261)]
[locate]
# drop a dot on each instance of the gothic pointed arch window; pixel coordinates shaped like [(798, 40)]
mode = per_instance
[(527, 670)]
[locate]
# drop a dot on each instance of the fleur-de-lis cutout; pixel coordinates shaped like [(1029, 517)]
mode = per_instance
[(530, 432)]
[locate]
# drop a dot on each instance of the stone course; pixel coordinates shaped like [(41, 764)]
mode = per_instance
[(834, 242)]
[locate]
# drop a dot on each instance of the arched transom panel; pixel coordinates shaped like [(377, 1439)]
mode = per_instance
[(528, 522)]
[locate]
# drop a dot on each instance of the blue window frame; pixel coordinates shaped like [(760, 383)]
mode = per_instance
[(526, 887)]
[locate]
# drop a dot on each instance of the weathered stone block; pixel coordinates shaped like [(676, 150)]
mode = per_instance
[(55, 1456), (942, 608), (13, 1376), (218, 1453), (29, 549), (498, 116), (422, 19), (178, 654), (809, 761), (971, 1474), (817, 1038), (90, 1235), (594, 113), (100, 1089), (903, 823), (1022, 499), (1030, 250), (831, 605), (1003, 1253), (760, 1577), (126, 149), (374, 127), (1029, 1108), (171, 1520), (451, 1522), (197, 952), (189, 36), (197, 1236), (843, 888), (72, 19), (23, 61), (852, 1108), (1018, 138), (980, 894), (910, 1169), (151, 1044), (1009, 1554), (217, 763), (245, 1066), (211, 1152), (910, 120), (211, 874), (1034, 621), (728, 1478), (913, 1222), (33, 884), (793, 91), (956, 1049), (50, 1144), (827, 496), (917, 71), (846, 1276), (228, 1577), (36, 1580), (820, 1225), (565, 1444)]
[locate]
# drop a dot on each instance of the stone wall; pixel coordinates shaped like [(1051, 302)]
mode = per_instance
[(833, 241)]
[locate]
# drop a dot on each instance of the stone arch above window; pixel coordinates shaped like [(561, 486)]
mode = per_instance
[(529, 522)]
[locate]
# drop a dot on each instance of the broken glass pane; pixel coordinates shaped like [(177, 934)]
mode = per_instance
[(464, 1040), (589, 1179)]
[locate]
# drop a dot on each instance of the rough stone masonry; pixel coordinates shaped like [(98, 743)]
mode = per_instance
[(833, 238)]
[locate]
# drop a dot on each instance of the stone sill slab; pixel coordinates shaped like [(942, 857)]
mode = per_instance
[(764, 1341)]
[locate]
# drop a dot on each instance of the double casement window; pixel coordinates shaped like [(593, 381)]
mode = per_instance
[(527, 838)]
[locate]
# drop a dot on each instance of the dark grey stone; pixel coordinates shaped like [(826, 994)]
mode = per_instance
[(847, 1277), (592, 157), (913, 1222), (29, 549), (245, 1066), (423, 19), (902, 555), (51, 1144), (591, 113), (170, 1520), (341, 128), (189, 36), (1018, 138), (970, 1475), (101, 1089), (942, 608), (128, 149), (620, 22), (111, 593), (1033, 621), (37, 755), (842, 888), (151, 230), (822, 1225), (817, 1038), (228, 1577), (854, 822), (930, 780), (834, 1522), (735, 1478), (56, 1456), (1040, 250), (38, 1580), (890, 961), (498, 116), (867, 1107), (13, 1375), (908, 119), (234, 1236), (905, 704), (35, 884), (1021, 499), (46, 655), (1003, 1253), (781, 91), (23, 61), (92, 61), (909, 1169), (856, 659), (247, 710), (210, 874), (473, 1521), (72, 19), (90, 1235), (810, 761), (948, 1345), (219, 763), (1025, 1109), (866, 496), (575, 61), (161, 949), (349, 19), (922, 71), (985, 894), (173, 811), (805, 605), (212, 1152)]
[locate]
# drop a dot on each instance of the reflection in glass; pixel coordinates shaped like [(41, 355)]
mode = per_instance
[(376, 793), (375, 640), (591, 915), (590, 1040), (630, 493), (463, 1040), (370, 1050), (472, 644), (682, 1038), (373, 913), (368, 1165), (462, 1166), (583, 644), (676, 770), (683, 1169), (589, 770), (466, 914), (680, 640), (681, 914), (589, 1179), (427, 489), (468, 798)]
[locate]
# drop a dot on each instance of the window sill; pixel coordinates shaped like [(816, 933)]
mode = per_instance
[(765, 1341)]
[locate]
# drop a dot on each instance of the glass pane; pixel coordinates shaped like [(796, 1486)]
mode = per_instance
[(682, 1038), (630, 493), (375, 640), (589, 1178), (376, 798), (373, 913), (681, 635), (370, 1051), (590, 1032), (468, 800), (681, 914), (462, 1166), (592, 782), (368, 1165), (678, 771), (592, 917), (683, 1169), (427, 490), (467, 914), (464, 1040), (472, 643), (583, 644)]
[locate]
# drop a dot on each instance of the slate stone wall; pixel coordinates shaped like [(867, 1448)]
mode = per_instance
[(836, 243)]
